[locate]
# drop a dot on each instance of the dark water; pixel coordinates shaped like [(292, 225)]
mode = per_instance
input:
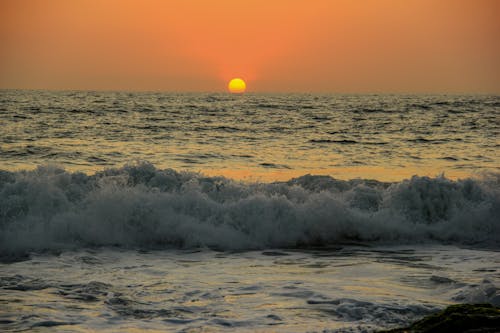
[(273, 213), (353, 289)]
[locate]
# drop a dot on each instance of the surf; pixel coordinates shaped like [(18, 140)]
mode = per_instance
[(139, 205)]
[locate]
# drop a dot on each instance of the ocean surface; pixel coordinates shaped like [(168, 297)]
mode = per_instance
[(253, 213), (253, 137)]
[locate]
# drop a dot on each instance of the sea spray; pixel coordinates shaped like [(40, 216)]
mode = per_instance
[(139, 205)]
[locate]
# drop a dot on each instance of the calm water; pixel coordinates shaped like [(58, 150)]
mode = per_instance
[(271, 213)]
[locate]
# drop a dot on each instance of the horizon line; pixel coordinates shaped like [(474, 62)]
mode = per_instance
[(263, 92)]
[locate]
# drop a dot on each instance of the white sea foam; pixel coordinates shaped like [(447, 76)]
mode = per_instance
[(141, 206)]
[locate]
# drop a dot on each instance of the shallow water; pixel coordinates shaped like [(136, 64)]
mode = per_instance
[(347, 289)]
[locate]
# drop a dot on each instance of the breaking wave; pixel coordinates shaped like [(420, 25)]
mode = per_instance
[(141, 206)]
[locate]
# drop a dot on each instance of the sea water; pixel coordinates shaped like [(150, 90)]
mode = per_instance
[(272, 213), (254, 137)]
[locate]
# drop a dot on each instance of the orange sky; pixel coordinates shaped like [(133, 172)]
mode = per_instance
[(275, 45)]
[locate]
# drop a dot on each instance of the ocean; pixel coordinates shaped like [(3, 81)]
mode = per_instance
[(210, 212)]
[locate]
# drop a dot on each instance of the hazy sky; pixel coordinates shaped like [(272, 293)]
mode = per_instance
[(275, 45)]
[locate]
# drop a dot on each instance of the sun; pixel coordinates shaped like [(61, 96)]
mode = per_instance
[(237, 86)]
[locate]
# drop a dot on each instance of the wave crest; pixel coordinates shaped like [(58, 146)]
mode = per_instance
[(139, 205)]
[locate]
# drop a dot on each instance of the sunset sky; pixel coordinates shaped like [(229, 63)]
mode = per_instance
[(424, 46)]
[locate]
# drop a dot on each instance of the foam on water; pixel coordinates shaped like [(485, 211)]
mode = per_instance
[(134, 245), (348, 289), (141, 206)]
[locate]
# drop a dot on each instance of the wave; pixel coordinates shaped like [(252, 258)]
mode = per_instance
[(140, 206)]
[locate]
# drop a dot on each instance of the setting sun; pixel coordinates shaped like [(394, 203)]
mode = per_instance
[(271, 150), (237, 86)]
